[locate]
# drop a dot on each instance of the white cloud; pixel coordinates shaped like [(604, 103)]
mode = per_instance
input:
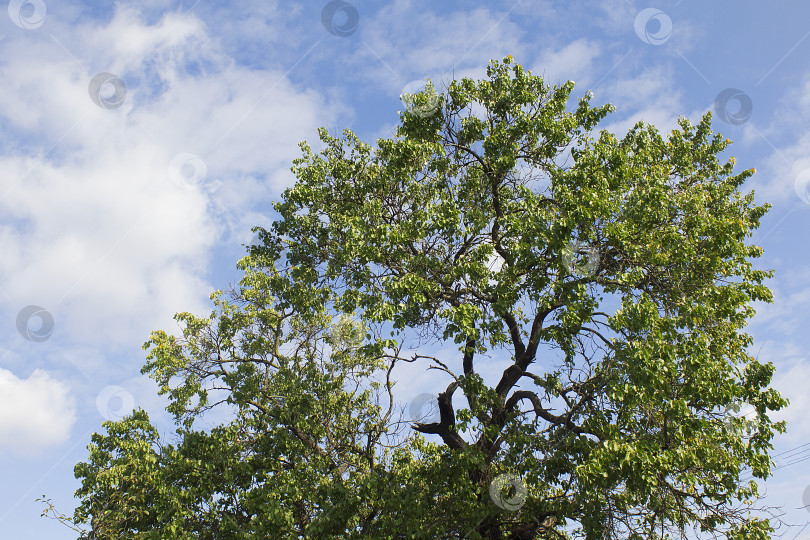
[(35, 413), (789, 379), (788, 136), (570, 62), (787, 315), (651, 97), (126, 39), (93, 228), (404, 43)]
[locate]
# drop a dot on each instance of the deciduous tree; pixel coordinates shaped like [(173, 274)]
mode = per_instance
[(613, 273)]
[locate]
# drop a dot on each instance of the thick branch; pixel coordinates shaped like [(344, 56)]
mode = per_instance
[(469, 351), (511, 322), (523, 355), (561, 420), (447, 421)]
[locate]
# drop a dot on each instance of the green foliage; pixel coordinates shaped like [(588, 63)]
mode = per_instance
[(624, 436)]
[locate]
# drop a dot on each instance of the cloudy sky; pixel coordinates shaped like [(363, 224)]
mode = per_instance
[(140, 142)]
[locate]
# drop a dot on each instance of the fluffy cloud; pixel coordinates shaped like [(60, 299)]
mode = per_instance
[(573, 61), (785, 173), (36, 412), (99, 225), (790, 379), (649, 97), (396, 50)]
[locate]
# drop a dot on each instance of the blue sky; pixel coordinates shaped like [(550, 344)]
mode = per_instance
[(103, 228)]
